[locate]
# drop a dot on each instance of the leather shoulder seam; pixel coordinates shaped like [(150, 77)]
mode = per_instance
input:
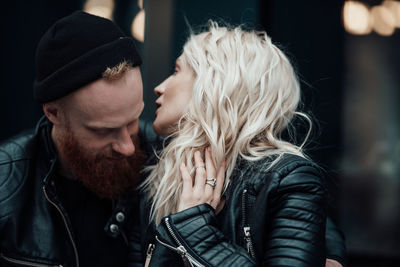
[(14, 160)]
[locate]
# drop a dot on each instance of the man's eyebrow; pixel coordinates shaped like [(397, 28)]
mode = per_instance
[(106, 127), (99, 127)]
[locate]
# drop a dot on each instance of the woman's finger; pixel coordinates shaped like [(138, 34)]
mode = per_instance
[(211, 174), (219, 186), (200, 177), (187, 183)]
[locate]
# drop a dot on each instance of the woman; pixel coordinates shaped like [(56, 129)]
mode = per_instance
[(231, 96)]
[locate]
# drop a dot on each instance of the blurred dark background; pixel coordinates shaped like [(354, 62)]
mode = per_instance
[(347, 56)]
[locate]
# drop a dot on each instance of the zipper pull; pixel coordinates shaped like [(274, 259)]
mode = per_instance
[(188, 260), (246, 230), (149, 253), (247, 237), (182, 251)]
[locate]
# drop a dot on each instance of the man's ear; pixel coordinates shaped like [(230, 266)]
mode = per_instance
[(53, 112)]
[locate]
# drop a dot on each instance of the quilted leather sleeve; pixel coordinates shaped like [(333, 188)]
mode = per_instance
[(13, 172), (196, 231), (298, 216)]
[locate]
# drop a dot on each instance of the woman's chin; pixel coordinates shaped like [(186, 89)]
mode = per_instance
[(159, 129)]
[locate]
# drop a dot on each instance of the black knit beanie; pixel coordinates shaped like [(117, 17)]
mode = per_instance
[(75, 51)]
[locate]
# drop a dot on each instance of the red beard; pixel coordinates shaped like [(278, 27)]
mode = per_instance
[(107, 178)]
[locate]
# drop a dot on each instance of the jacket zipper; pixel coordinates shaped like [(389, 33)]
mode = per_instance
[(66, 225), (181, 251), (27, 263), (149, 253), (246, 228), (188, 259)]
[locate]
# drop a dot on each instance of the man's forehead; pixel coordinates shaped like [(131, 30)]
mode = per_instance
[(103, 93), (105, 99)]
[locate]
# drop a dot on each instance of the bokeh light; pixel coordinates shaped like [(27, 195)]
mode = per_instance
[(138, 26), (102, 8), (383, 21), (356, 19), (394, 7)]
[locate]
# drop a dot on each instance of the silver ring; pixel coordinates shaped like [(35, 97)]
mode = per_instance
[(201, 166), (211, 181)]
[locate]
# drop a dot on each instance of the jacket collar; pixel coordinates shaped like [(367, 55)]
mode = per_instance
[(49, 157)]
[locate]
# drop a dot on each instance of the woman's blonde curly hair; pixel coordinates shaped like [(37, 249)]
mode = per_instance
[(245, 94)]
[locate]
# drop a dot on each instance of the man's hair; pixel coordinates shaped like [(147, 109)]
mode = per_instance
[(117, 71), (245, 94)]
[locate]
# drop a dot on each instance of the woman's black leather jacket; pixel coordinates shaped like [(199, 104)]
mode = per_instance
[(272, 217)]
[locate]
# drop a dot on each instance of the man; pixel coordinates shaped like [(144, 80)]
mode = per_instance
[(62, 200)]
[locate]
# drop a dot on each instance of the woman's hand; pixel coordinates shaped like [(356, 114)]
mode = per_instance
[(207, 186), (332, 263)]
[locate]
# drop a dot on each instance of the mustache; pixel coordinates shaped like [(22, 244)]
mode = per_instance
[(107, 174)]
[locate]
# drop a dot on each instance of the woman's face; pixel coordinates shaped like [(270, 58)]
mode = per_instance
[(174, 95)]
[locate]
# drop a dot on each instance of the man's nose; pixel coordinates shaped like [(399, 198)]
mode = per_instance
[(124, 145)]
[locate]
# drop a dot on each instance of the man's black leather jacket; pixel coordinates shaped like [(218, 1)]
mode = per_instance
[(271, 217), (35, 229)]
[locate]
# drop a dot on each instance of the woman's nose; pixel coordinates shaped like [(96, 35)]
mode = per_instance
[(160, 89)]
